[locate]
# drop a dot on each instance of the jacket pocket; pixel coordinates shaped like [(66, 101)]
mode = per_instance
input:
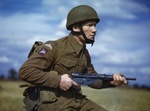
[(67, 62), (47, 96)]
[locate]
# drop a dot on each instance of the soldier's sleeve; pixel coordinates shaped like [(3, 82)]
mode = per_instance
[(37, 69), (99, 83)]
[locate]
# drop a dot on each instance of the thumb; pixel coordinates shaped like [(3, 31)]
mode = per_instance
[(124, 80)]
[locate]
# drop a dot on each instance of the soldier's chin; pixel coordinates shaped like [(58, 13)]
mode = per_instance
[(92, 39)]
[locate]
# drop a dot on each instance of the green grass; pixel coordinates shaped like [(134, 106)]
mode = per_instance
[(113, 99), (120, 98), (11, 96)]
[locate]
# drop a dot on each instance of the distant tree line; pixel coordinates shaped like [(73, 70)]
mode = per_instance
[(141, 86), (13, 75)]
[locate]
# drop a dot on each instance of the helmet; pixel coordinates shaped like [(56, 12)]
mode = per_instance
[(79, 14)]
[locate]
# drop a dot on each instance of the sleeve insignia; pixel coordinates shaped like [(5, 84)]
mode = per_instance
[(43, 51)]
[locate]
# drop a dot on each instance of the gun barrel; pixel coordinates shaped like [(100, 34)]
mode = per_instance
[(97, 76), (133, 79)]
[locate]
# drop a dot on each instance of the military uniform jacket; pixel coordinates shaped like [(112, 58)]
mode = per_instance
[(54, 58)]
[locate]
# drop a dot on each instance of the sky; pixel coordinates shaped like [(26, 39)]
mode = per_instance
[(122, 39)]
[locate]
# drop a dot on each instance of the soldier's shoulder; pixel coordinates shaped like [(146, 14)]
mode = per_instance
[(56, 43), (51, 42), (61, 39)]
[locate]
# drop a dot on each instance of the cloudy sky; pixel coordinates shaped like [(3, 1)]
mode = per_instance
[(122, 40)]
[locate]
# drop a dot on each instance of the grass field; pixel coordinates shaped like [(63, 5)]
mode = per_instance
[(113, 99)]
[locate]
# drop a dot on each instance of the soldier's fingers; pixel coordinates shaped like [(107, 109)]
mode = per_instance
[(115, 77), (121, 74), (124, 80), (63, 88), (120, 78), (75, 84)]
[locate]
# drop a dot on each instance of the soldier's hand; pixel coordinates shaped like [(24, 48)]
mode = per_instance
[(66, 82), (118, 79)]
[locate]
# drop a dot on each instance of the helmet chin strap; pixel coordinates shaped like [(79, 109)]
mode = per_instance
[(88, 41)]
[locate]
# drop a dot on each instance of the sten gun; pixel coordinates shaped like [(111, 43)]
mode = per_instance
[(86, 79)]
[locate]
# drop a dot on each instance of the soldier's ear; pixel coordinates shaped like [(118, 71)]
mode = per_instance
[(76, 28)]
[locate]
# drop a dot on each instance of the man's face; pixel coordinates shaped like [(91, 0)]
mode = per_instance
[(89, 29)]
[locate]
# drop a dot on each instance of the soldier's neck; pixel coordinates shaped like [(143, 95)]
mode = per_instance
[(80, 40)]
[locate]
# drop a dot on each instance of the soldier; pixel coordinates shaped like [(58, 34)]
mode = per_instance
[(49, 67)]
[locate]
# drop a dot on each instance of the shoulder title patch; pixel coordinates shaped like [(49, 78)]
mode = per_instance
[(53, 42), (49, 46)]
